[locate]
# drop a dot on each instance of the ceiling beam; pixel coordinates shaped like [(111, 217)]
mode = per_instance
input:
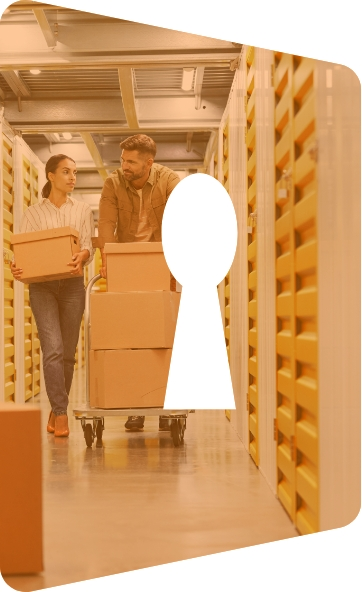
[(17, 85), (94, 152), (45, 27), (163, 112), (188, 141), (70, 61), (199, 77), (125, 76)]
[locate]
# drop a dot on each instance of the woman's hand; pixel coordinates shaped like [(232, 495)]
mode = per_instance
[(77, 261), (16, 271)]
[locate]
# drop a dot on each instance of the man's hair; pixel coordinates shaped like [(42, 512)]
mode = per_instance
[(140, 142)]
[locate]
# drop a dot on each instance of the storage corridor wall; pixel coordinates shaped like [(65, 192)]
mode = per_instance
[(29, 179), (7, 310), (338, 119)]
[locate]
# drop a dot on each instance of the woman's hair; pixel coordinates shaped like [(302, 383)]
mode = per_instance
[(50, 167)]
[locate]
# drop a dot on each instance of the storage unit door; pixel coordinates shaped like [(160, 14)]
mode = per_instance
[(252, 259), (296, 278), (8, 302), (31, 338)]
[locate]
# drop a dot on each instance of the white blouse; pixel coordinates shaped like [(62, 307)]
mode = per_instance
[(77, 214)]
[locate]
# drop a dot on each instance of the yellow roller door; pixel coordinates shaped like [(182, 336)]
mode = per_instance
[(8, 304), (296, 288), (252, 401)]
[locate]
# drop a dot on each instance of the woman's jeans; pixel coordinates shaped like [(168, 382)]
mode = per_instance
[(58, 308)]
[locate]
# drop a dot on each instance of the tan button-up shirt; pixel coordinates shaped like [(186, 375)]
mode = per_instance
[(119, 206)]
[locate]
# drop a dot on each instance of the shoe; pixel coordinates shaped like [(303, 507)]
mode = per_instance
[(135, 422), (51, 423), (164, 425), (61, 426)]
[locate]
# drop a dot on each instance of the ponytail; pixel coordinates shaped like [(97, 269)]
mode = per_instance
[(46, 190)]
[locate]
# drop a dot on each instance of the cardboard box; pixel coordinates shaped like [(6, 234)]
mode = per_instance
[(43, 255), (138, 267), (133, 319), (21, 539), (128, 377)]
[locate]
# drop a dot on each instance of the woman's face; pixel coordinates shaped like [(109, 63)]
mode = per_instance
[(65, 176)]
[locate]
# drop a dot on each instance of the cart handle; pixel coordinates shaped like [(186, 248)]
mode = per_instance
[(87, 330)]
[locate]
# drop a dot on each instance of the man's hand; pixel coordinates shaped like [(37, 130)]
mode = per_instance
[(77, 262), (16, 271), (103, 271), (103, 268)]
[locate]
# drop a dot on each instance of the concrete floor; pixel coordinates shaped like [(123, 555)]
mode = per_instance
[(139, 501)]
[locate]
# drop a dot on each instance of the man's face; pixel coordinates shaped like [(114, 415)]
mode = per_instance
[(135, 165)]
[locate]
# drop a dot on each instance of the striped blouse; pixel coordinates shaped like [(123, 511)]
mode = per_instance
[(74, 213)]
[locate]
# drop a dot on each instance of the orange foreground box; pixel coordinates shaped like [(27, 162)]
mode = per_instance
[(43, 255), (138, 267), (128, 377), (21, 540), (141, 320)]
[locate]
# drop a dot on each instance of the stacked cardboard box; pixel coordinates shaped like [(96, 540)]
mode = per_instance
[(132, 328), (44, 255)]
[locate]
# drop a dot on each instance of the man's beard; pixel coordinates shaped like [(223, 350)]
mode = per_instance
[(134, 176)]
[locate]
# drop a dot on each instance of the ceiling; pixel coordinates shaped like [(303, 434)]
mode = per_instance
[(102, 79)]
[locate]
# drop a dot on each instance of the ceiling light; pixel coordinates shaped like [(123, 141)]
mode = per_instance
[(35, 71), (57, 137), (187, 78), (67, 136)]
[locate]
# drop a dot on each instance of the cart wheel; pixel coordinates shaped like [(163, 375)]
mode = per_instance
[(177, 432), (99, 429), (88, 435)]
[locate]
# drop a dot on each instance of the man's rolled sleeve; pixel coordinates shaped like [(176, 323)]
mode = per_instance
[(108, 213), (172, 181), (85, 235)]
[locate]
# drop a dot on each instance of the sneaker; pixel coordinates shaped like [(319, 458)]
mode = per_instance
[(164, 425), (135, 422)]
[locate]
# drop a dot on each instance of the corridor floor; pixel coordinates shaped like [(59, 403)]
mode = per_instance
[(139, 501)]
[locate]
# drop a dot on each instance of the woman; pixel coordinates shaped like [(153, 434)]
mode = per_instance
[(58, 305)]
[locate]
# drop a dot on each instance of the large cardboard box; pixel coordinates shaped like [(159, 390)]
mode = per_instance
[(138, 267), (21, 540), (43, 255), (128, 377), (133, 319)]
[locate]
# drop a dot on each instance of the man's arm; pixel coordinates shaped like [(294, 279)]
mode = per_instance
[(108, 217), (172, 181)]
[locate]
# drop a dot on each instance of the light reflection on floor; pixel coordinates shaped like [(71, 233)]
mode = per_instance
[(139, 501)]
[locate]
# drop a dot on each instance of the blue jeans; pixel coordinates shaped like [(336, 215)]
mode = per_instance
[(58, 308)]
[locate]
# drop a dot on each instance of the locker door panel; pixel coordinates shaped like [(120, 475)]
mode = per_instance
[(251, 146), (284, 237), (8, 302), (296, 279)]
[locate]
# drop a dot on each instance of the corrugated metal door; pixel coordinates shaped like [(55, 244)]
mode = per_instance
[(35, 342), (31, 338), (225, 181), (8, 228), (296, 277), (252, 259)]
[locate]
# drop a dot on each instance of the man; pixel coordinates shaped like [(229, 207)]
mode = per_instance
[(131, 208)]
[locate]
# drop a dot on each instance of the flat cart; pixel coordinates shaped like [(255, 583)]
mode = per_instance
[(92, 418)]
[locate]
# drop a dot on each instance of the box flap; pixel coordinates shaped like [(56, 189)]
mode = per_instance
[(25, 237), (141, 247)]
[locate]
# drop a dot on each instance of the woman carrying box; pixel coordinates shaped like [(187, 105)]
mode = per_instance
[(58, 305)]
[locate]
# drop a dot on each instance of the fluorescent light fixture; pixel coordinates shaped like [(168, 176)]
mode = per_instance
[(187, 78), (67, 136), (35, 71)]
